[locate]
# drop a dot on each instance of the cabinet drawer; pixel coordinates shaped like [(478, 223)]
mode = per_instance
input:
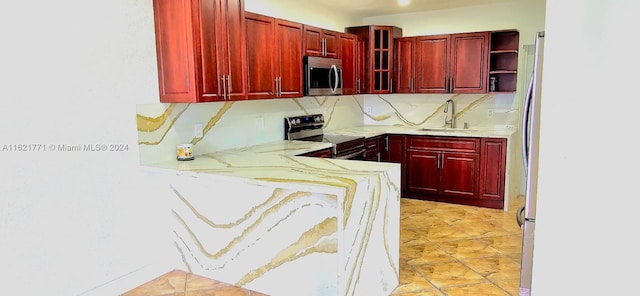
[(471, 145)]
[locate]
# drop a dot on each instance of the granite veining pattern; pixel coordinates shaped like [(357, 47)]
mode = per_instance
[(257, 219)]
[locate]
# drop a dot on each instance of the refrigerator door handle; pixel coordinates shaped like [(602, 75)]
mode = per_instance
[(525, 125), (520, 216)]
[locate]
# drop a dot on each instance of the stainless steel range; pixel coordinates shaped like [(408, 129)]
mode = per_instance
[(311, 128)]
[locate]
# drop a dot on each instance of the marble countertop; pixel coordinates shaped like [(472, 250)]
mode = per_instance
[(278, 161), (369, 131)]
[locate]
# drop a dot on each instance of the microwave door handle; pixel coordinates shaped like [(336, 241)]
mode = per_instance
[(335, 75)]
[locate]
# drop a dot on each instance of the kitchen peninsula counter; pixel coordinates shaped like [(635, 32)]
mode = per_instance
[(269, 221)]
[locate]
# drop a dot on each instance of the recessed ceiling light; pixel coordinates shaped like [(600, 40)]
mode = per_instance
[(404, 2)]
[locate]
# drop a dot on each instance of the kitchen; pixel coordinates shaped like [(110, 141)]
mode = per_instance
[(110, 62)]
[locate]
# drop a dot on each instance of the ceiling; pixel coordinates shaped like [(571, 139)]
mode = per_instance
[(368, 8)]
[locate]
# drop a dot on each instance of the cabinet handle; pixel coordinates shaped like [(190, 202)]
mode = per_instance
[(411, 84), (229, 87), (386, 144), (280, 87), (357, 86), (438, 160), (324, 46), (451, 84), (224, 89), (277, 83)]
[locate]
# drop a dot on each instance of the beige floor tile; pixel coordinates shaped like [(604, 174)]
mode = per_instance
[(467, 248), (449, 274), (484, 289), (421, 252), (508, 244), (494, 265)]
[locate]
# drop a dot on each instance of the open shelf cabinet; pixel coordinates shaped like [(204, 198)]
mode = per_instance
[(503, 61)]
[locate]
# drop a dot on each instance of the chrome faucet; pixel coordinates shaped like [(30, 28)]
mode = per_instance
[(451, 122)]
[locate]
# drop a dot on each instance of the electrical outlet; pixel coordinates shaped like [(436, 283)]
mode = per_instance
[(490, 112), (368, 110), (260, 123), (197, 130)]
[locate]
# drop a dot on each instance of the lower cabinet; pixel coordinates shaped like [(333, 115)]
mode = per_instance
[(458, 170), (373, 147), (394, 150), (324, 153)]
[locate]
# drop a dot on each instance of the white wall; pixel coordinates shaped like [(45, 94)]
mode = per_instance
[(72, 73), (587, 224), (309, 12)]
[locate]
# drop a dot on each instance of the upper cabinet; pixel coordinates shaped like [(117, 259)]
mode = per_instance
[(320, 42), (275, 58), (451, 63), (503, 68), (201, 50), (348, 54), (377, 57)]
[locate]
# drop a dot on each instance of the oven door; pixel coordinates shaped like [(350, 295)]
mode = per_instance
[(352, 155)]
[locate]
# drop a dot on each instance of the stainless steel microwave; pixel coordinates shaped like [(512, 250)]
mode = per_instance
[(322, 76)]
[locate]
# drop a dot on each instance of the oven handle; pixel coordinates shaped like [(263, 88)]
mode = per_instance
[(351, 155)]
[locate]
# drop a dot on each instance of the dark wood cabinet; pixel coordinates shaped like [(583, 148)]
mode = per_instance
[(374, 147), (492, 175), (321, 42), (324, 153), (469, 62), (443, 168), (394, 150), (275, 58), (378, 56), (503, 68), (460, 170), (201, 51), (451, 63), (348, 54), (404, 65)]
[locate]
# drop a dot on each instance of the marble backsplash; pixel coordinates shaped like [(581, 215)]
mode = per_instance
[(229, 125)]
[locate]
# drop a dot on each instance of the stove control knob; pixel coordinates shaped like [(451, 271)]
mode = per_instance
[(298, 121)]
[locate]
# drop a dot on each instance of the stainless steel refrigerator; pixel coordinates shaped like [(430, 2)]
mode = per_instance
[(526, 216)]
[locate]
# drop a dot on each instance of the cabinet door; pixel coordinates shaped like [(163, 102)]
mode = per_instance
[(459, 174), (348, 56), (492, 168), (393, 149), (261, 63), (234, 48), (178, 55), (373, 147), (361, 81), (423, 172), (382, 58), (432, 64), (289, 59), (313, 44), (404, 65), (331, 44), (469, 62)]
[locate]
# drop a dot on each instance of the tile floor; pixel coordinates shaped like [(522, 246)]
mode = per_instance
[(445, 249)]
